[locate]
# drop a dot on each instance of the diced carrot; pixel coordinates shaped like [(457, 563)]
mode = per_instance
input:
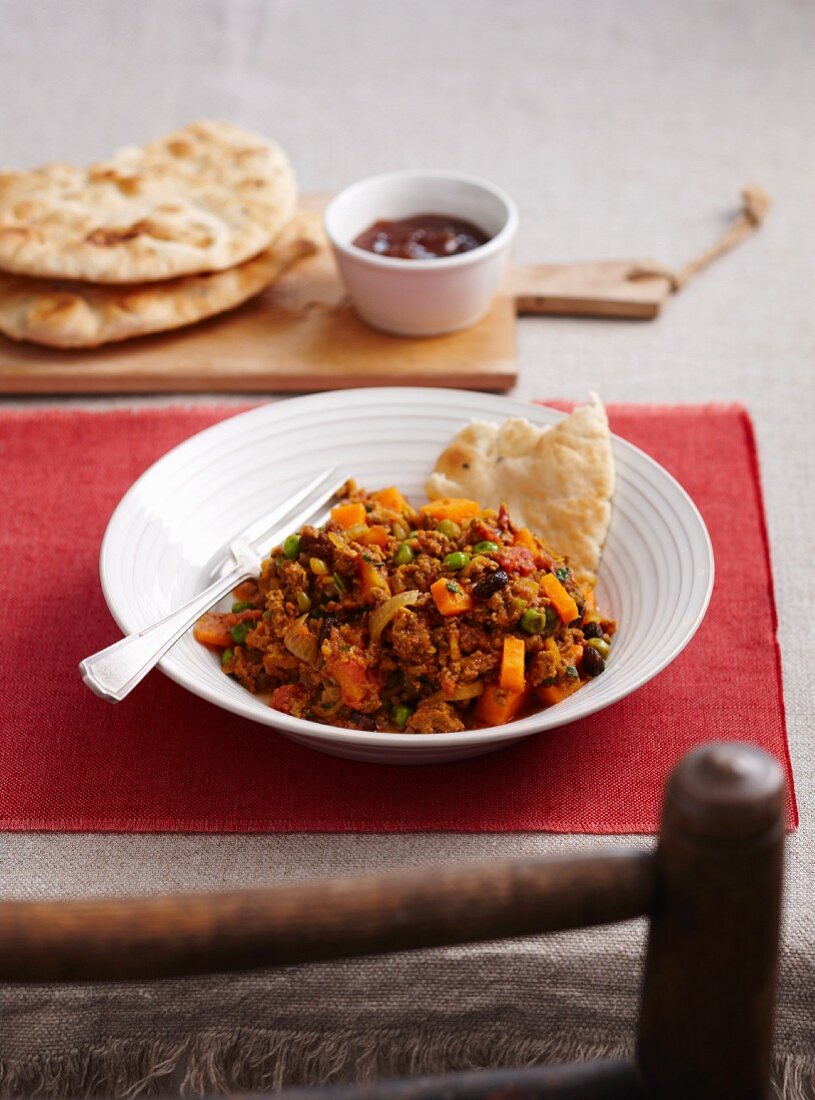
[(213, 628), (348, 515), (370, 579), (373, 536), (391, 499), (562, 602), (450, 597), (496, 705), (556, 693), (524, 537), (513, 676), (454, 508)]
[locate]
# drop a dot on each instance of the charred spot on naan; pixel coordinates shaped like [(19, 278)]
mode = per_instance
[(73, 314), (230, 193)]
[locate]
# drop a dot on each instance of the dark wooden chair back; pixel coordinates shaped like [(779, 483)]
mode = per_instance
[(712, 890)]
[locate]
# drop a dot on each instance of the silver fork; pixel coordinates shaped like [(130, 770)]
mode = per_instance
[(112, 673)]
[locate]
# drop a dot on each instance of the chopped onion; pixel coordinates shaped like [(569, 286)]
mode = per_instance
[(384, 613), (462, 692), (300, 642)]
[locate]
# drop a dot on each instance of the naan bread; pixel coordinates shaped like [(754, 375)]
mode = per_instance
[(83, 315), (556, 481), (204, 198)]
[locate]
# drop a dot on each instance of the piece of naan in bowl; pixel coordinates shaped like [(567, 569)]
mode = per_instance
[(557, 481)]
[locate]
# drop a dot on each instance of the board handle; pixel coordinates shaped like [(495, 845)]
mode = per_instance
[(602, 288)]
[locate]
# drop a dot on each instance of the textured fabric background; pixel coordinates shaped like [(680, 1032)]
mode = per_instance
[(622, 128)]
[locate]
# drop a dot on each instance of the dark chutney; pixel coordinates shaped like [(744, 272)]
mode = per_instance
[(421, 237)]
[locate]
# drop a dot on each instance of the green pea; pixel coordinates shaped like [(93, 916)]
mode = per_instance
[(552, 619), (400, 531), (291, 546), (240, 605), (601, 645), (485, 547), (457, 560), (303, 602), (317, 567), (226, 656), (448, 528), (400, 715), (239, 632), (533, 621), (404, 555), (339, 584)]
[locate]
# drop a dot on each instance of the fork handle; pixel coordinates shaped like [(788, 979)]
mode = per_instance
[(112, 673)]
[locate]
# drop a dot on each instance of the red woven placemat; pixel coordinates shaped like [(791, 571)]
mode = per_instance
[(166, 760)]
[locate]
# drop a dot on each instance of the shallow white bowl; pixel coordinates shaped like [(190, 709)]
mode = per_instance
[(655, 578), (421, 297)]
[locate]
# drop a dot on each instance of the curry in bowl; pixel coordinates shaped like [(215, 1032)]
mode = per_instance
[(430, 620)]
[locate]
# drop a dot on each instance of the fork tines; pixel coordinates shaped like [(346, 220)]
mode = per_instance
[(318, 493)]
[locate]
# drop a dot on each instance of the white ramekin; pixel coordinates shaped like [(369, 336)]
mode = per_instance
[(421, 297)]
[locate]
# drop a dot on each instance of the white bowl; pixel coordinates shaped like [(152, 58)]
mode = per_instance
[(655, 578), (421, 297)]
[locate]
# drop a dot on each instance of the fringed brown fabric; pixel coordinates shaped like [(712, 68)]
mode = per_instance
[(254, 1060)]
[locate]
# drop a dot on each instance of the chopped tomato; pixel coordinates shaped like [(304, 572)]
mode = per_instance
[(356, 686), (516, 559), (285, 697), (247, 592), (482, 532), (214, 627)]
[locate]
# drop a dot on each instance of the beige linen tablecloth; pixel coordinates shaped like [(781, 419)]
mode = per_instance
[(623, 128)]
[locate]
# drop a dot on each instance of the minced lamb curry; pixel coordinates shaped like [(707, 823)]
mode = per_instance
[(388, 618)]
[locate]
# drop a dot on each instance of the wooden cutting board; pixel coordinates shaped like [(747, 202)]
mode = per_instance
[(302, 335)]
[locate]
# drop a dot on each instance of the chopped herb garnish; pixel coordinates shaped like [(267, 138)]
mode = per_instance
[(562, 573), (451, 586), (571, 672)]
